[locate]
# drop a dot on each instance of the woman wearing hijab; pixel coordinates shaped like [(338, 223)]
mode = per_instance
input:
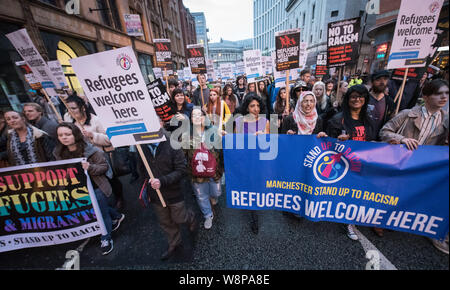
[(304, 120)]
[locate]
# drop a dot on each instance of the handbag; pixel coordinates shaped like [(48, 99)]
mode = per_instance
[(144, 198), (120, 161)]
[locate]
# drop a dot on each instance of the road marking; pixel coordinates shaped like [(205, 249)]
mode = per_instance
[(370, 249)]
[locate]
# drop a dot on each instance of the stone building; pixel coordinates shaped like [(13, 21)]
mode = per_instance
[(62, 33)]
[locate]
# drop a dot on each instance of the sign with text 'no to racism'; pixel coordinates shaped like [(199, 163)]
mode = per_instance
[(351, 182), (114, 85), (343, 42)]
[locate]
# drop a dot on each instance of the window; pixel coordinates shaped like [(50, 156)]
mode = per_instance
[(334, 13), (51, 2), (64, 53), (115, 14), (104, 12), (313, 11), (145, 63)]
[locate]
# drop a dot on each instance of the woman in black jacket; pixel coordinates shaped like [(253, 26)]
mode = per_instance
[(354, 122)]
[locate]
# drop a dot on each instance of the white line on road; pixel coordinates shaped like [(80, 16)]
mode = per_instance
[(377, 260)]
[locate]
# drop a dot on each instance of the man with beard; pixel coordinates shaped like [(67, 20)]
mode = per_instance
[(381, 105)]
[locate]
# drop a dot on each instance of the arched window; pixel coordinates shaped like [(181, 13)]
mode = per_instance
[(64, 53)]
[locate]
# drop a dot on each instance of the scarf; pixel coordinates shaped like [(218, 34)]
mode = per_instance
[(305, 123), (31, 156)]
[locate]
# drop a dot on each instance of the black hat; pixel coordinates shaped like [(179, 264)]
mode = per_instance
[(380, 73)]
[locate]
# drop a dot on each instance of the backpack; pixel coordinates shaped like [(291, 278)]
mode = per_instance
[(203, 163)]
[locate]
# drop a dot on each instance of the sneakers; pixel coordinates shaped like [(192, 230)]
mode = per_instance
[(107, 246), (440, 245), (208, 223), (351, 234), (116, 223)]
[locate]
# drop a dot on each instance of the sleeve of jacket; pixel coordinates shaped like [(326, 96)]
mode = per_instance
[(389, 131), (179, 168), (334, 128), (97, 164), (99, 136), (288, 124)]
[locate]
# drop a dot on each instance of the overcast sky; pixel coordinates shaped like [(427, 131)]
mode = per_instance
[(227, 19)]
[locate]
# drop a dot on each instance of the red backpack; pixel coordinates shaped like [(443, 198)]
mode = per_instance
[(203, 163)]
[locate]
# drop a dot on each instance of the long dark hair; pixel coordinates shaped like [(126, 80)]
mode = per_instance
[(80, 104), (264, 91), (364, 116), (280, 104), (248, 99), (174, 103), (62, 150)]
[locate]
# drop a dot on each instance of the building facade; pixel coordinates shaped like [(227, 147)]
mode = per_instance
[(227, 51), (201, 29), (99, 25), (313, 16), (269, 16)]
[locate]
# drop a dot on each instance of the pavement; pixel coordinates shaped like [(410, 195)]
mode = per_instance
[(283, 243)]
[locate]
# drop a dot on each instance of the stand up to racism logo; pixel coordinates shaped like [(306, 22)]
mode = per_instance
[(331, 162)]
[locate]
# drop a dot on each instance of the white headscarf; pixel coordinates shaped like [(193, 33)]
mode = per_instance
[(305, 122)]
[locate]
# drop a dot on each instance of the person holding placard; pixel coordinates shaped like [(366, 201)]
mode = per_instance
[(71, 144), (200, 98), (381, 106), (168, 167), (279, 107), (93, 131)]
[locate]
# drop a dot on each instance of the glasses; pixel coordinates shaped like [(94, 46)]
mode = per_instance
[(356, 97)]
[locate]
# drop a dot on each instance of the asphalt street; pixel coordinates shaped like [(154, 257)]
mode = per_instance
[(283, 243)]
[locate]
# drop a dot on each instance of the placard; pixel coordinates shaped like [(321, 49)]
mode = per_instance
[(287, 45), (414, 33), (113, 83), (343, 42)]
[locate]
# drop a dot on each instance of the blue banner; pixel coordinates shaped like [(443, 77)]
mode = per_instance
[(323, 179)]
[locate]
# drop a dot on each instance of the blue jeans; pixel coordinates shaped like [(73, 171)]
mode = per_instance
[(204, 191), (109, 213)]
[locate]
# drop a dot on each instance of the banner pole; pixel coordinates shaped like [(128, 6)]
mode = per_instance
[(58, 115), (338, 97), (287, 91), (167, 79), (150, 173), (401, 91), (201, 93)]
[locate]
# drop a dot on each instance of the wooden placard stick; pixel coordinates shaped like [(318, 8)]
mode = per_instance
[(58, 115), (167, 79), (287, 91), (400, 95), (338, 97), (150, 173)]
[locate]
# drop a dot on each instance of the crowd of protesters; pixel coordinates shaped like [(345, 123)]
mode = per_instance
[(360, 109)]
